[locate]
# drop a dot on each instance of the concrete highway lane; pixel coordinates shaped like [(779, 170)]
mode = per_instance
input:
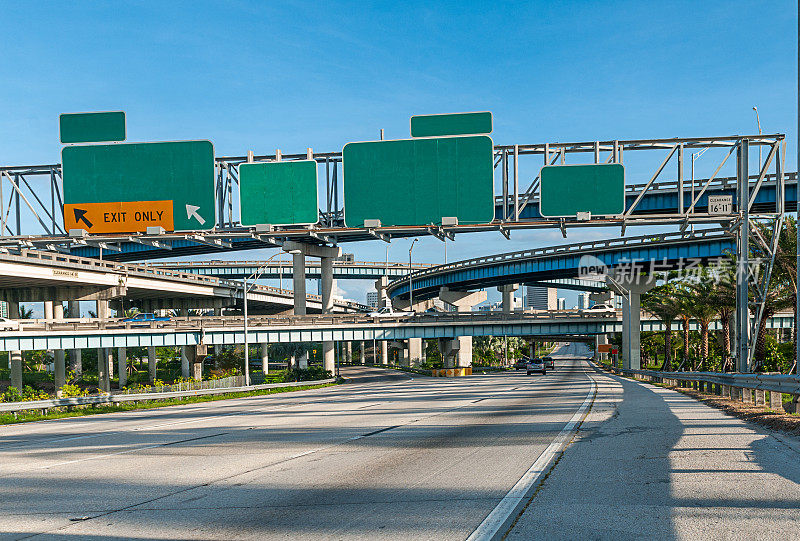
[(388, 456)]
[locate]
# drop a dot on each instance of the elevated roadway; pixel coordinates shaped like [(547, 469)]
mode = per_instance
[(36, 276), (643, 253), (192, 331)]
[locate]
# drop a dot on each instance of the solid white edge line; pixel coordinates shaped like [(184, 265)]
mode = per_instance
[(496, 522)]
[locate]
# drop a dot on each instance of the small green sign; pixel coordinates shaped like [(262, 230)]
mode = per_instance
[(566, 190), (451, 124), (278, 193), (419, 181), (181, 172), (92, 127)]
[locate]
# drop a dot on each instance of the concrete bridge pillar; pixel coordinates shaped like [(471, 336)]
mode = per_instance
[(384, 345), (507, 292), (631, 287), (461, 347), (105, 369), (265, 358), (326, 277), (75, 362), (122, 366), (184, 363), (48, 309), (15, 357), (151, 362), (102, 309), (415, 352), (348, 352), (59, 358), (363, 358)]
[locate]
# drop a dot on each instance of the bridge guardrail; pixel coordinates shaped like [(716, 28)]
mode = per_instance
[(733, 385), (44, 405)]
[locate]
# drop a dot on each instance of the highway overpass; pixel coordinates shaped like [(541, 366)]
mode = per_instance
[(37, 276)]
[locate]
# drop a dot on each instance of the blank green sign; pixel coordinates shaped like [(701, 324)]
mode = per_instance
[(452, 124), (278, 193), (180, 171), (566, 190), (419, 181), (92, 127)]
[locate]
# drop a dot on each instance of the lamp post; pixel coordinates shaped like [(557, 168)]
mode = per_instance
[(758, 123), (255, 276), (410, 288)]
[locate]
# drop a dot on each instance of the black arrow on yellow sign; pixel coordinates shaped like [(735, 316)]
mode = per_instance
[(80, 216)]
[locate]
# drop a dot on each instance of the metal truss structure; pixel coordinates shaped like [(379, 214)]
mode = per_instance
[(36, 190)]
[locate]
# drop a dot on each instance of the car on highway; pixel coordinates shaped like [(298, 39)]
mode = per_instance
[(521, 364), (599, 309), (145, 317), (535, 365), (387, 311), (8, 324), (549, 363)]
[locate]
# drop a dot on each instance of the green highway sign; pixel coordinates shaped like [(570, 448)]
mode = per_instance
[(92, 127), (451, 124), (566, 190), (419, 181), (278, 193), (172, 184)]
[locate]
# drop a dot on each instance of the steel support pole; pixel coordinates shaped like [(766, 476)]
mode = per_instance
[(504, 166), (742, 257), (797, 225)]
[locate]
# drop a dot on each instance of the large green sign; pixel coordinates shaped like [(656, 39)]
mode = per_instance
[(92, 127), (566, 190), (171, 183), (419, 181), (278, 193), (451, 124)]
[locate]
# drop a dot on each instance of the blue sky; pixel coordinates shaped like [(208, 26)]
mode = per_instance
[(267, 75)]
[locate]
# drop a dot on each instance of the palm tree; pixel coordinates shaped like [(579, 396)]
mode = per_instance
[(660, 301), (702, 307), (25, 312)]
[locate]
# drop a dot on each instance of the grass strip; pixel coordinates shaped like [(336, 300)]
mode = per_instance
[(82, 411)]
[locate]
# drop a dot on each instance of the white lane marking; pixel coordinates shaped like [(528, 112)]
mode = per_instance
[(496, 522)]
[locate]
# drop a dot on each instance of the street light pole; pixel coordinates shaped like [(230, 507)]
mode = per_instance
[(410, 284), (758, 122), (255, 276)]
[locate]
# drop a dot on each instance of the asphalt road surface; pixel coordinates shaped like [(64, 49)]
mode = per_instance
[(387, 456)]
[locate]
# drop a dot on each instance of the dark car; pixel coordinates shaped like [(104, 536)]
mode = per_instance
[(521, 364), (549, 362)]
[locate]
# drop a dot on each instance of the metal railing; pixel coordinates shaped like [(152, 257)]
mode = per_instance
[(777, 383), (44, 405)]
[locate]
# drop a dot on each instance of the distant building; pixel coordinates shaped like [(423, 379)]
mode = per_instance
[(583, 301), (562, 303), (540, 298), (372, 298), (3, 309)]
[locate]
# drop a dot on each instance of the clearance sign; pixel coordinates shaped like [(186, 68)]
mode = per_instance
[(121, 217)]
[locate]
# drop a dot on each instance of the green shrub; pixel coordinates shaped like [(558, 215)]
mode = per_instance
[(307, 374)]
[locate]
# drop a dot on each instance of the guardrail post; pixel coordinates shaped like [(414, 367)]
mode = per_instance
[(726, 391), (760, 397), (776, 401), (747, 395)]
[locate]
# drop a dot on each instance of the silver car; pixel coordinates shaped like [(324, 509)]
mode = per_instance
[(535, 365)]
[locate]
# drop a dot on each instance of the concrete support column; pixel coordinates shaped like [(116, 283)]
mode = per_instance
[(776, 401), (104, 362), (326, 278), (75, 361), (348, 352), (122, 366), (59, 358), (363, 358), (102, 309), (184, 363), (16, 368), (265, 358), (48, 309), (507, 292), (384, 352), (151, 362), (463, 301), (415, 351), (299, 283), (631, 288)]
